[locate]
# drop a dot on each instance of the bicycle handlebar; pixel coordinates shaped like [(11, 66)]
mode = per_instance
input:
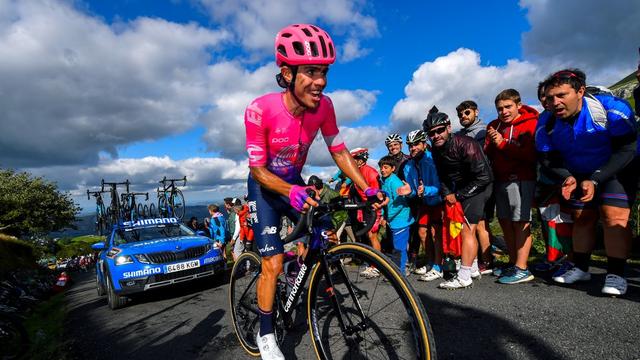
[(305, 223), (115, 184), (165, 180), (94, 193)]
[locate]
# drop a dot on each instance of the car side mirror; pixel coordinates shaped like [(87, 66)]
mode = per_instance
[(98, 246)]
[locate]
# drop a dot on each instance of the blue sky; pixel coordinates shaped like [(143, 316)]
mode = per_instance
[(147, 88)]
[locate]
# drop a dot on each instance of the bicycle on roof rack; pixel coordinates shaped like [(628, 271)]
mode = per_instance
[(101, 211), (170, 198), (114, 210), (349, 316), (131, 209)]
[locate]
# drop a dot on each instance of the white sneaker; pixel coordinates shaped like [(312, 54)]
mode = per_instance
[(366, 271), (614, 285), (572, 275), (455, 283), (475, 273), (458, 264), (420, 271), (268, 346), (374, 273), (433, 274)]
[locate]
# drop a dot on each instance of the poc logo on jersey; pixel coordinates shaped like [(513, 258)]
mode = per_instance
[(144, 272), (269, 230), (280, 140)]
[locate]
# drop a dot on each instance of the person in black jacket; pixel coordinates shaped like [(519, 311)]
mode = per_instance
[(465, 177)]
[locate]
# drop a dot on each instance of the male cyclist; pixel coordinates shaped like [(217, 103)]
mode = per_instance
[(280, 128), (465, 176), (588, 144), (393, 142)]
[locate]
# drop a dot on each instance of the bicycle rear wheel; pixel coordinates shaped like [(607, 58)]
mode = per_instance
[(152, 211), (383, 316), (163, 207), (177, 204), (244, 302)]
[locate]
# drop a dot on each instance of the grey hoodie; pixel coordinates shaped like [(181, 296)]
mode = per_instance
[(477, 131)]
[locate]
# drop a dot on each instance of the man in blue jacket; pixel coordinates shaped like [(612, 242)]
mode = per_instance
[(423, 185)]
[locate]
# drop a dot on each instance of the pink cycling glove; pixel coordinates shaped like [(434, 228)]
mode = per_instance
[(298, 196)]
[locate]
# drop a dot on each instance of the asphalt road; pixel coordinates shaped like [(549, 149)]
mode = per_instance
[(536, 320)]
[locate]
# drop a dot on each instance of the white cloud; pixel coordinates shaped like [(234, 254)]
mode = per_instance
[(364, 136), (255, 22), (599, 37), (458, 76), (352, 105), (71, 86)]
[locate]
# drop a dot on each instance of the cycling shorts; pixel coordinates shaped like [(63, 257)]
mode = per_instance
[(266, 214), (619, 191), (474, 206), (429, 215)]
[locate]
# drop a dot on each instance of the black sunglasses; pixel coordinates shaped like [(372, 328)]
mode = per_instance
[(437, 131), (466, 113)]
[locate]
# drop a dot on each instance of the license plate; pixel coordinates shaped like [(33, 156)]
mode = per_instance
[(183, 266)]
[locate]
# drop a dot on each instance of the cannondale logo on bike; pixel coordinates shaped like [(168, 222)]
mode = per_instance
[(296, 286)]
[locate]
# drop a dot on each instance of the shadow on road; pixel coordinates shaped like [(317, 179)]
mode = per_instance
[(463, 332)]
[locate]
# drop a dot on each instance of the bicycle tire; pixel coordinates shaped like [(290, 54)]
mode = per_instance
[(139, 213), (163, 207), (14, 340), (177, 204), (396, 325), (152, 210), (244, 302), (145, 211)]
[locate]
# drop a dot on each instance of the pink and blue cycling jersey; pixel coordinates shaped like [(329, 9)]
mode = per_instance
[(278, 140)]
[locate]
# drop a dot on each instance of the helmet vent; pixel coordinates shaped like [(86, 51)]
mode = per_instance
[(314, 48), (314, 28), (323, 45), (286, 35), (282, 50), (307, 32), (331, 50), (298, 48)]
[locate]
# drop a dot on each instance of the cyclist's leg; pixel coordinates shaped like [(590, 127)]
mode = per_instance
[(270, 248)]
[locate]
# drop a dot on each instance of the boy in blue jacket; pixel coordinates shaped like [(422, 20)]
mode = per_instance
[(399, 215)]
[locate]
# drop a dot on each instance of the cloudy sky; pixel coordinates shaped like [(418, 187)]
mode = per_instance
[(142, 89)]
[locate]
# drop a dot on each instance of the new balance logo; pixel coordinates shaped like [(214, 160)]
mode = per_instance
[(269, 230)]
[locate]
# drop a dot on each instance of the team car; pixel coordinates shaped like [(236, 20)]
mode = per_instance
[(152, 253)]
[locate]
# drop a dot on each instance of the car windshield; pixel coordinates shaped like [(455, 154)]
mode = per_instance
[(154, 232)]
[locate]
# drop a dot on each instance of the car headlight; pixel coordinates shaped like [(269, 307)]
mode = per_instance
[(142, 258), (124, 259)]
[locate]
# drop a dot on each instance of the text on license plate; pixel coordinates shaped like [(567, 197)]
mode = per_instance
[(183, 266)]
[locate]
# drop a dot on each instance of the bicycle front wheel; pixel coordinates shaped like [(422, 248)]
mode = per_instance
[(366, 317), (244, 301), (177, 203)]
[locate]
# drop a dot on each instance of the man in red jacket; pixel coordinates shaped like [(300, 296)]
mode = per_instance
[(510, 147)]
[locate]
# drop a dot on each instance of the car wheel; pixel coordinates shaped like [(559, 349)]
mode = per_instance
[(99, 286), (114, 300)]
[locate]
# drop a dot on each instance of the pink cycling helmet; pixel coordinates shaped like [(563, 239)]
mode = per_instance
[(304, 44)]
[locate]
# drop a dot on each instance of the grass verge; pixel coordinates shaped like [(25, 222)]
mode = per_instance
[(45, 327)]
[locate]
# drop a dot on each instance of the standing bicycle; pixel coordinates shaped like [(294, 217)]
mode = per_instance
[(114, 211), (349, 316), (131, 209), (102, 219), (170, 198)]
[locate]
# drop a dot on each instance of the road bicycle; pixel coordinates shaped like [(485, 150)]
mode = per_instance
[(131, 209), (170, 198), (114, 210), (101, 212), (349, 316)]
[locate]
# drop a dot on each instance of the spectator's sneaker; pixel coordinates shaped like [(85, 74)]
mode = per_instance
[(572, 275), (269, 347), (455, 283), (431, 275), (458, 264), (516, 276), (502, 270), (420, 271), (407, 271), (485, 269), (366, 271), (475, 273), (614, 285), (564, 267), (374, 273)]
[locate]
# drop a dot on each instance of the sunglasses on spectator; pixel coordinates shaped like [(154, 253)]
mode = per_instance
[(466, 113), (437, 131)]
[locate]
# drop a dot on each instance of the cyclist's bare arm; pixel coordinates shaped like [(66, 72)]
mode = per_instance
[(345, 162)]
